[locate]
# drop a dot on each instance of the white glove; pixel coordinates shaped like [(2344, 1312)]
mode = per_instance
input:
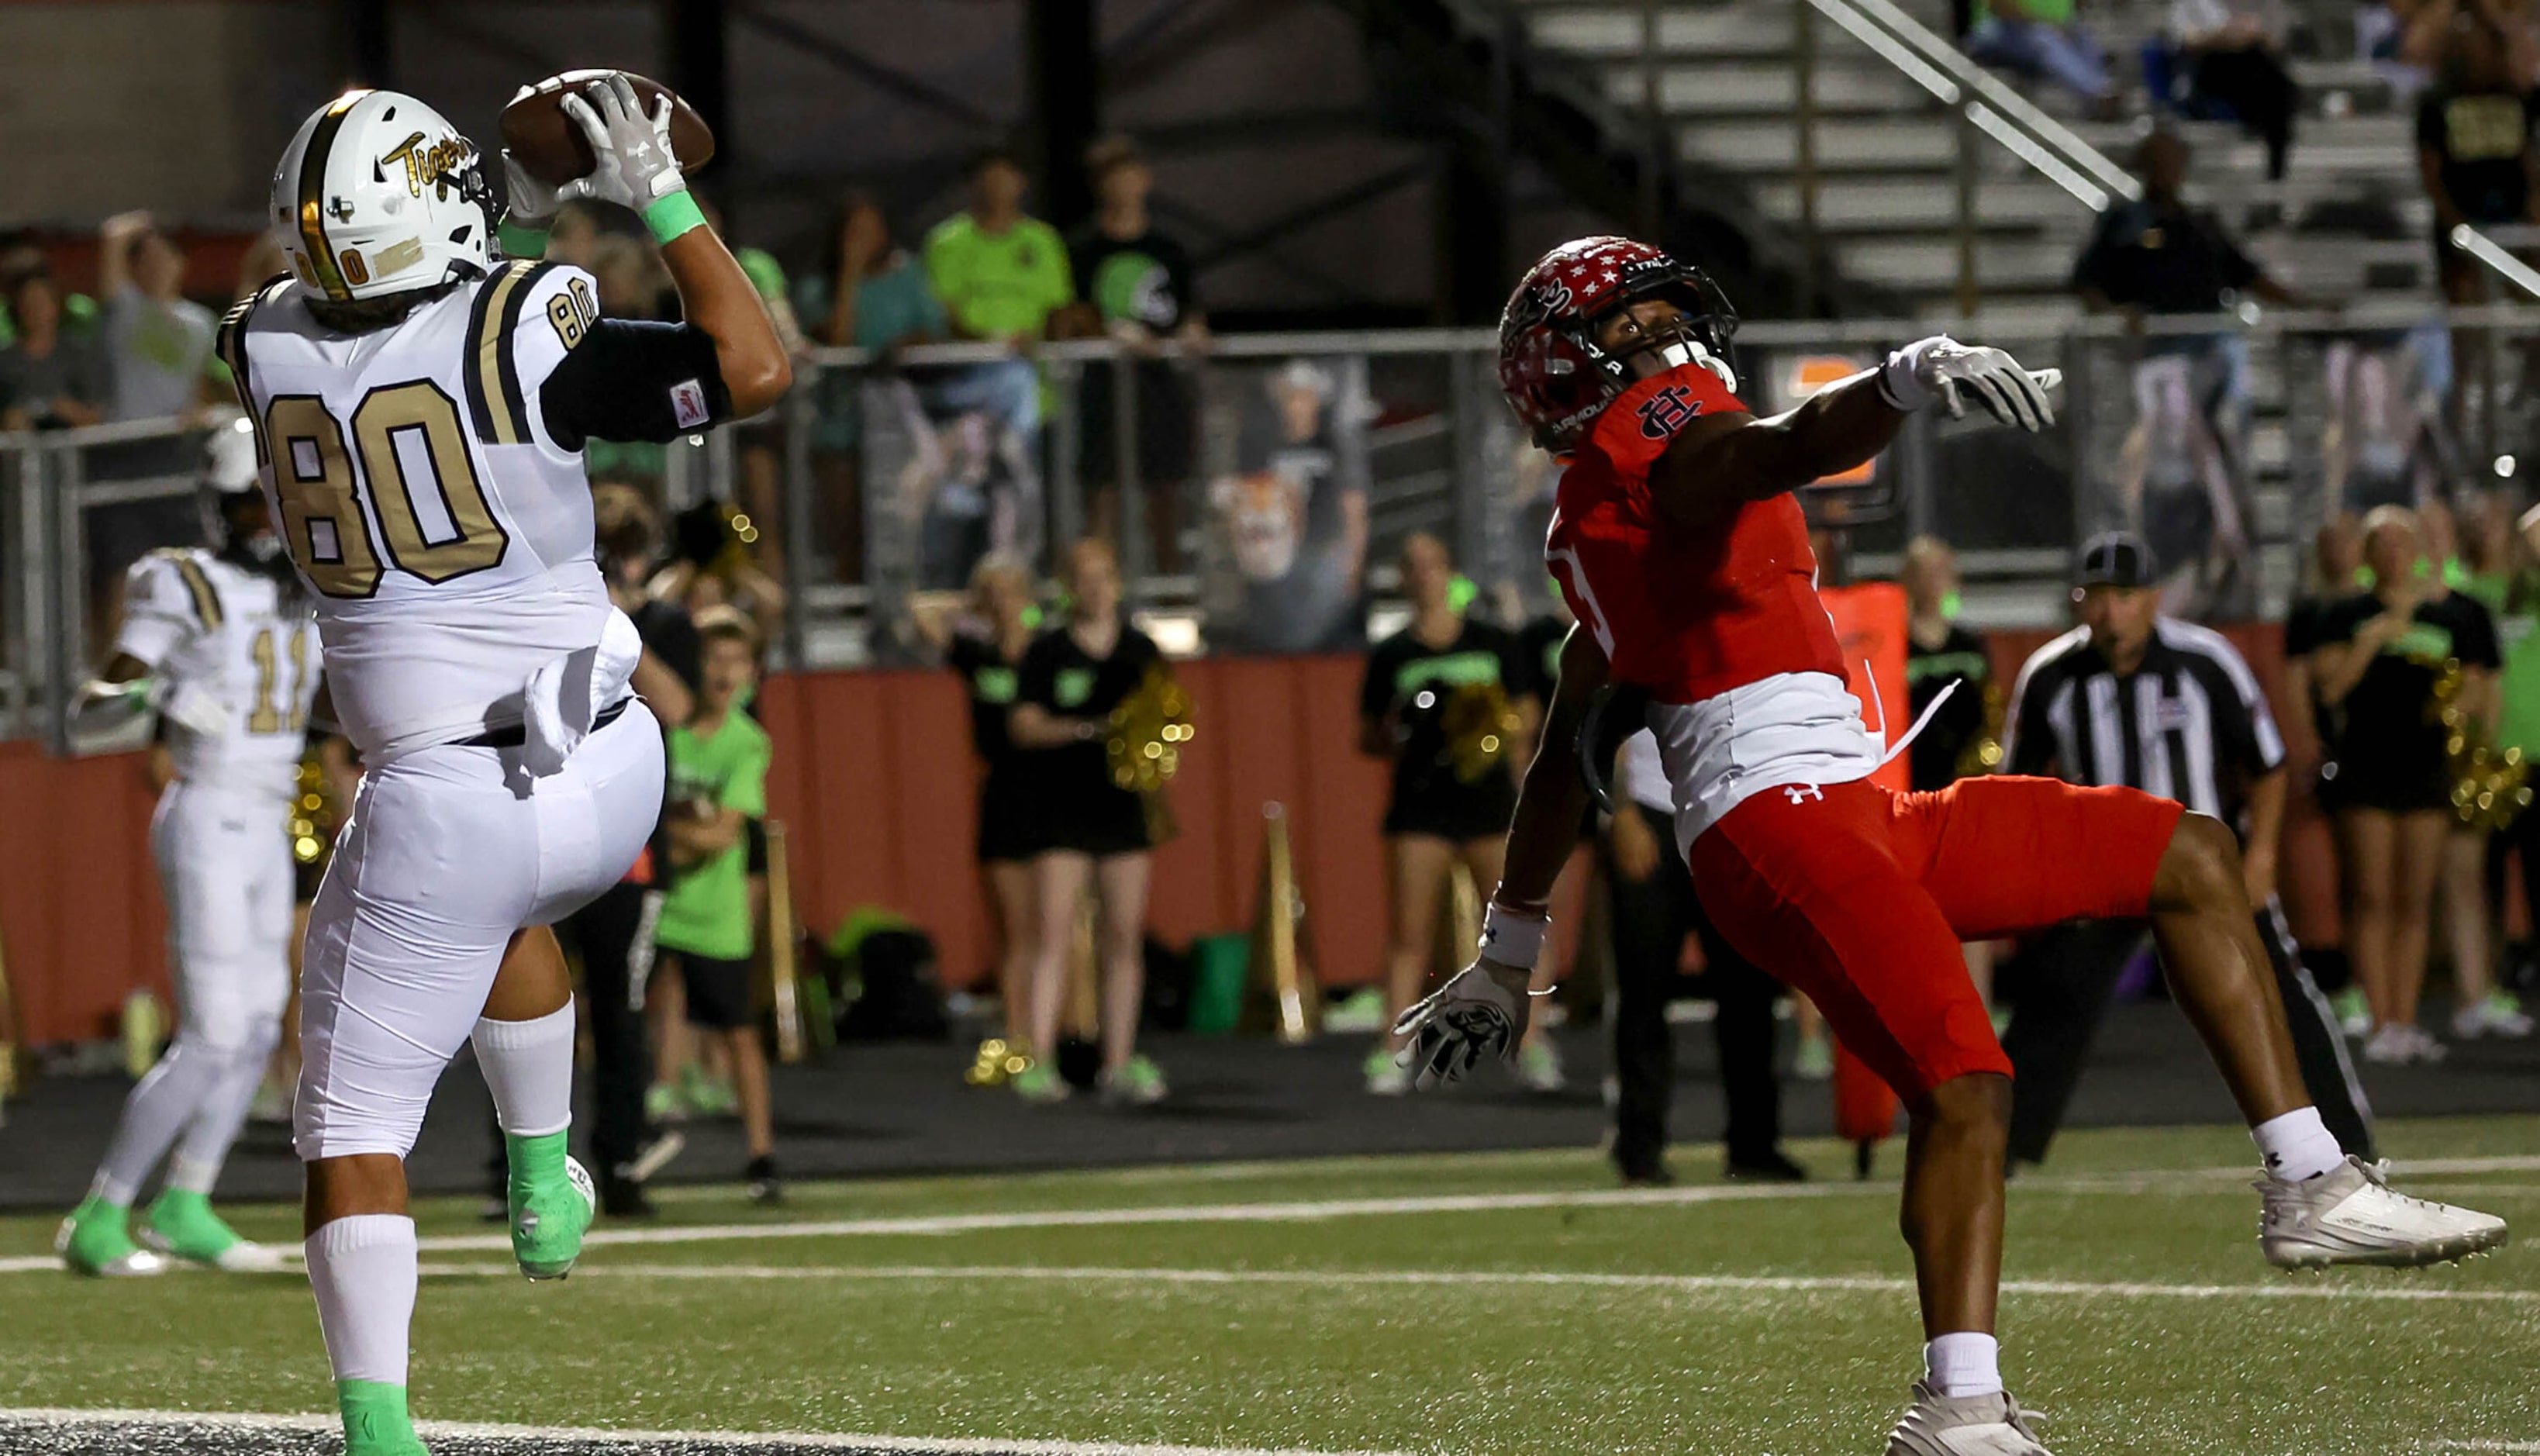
[(1940, 367), (636, 167), (1481, 1013), (526, 201)]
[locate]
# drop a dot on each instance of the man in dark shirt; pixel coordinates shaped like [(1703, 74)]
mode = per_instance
[(2186, 481), (2159, 255), (1137, 284)]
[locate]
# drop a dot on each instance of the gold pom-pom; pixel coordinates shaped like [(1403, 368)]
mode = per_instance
[(1148, 731)]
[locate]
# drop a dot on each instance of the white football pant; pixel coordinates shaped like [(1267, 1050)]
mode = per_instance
[(225, 872), (448, 851)]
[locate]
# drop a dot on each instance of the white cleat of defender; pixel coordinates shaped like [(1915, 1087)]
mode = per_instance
[(1963, 1426), (2348, 1215)]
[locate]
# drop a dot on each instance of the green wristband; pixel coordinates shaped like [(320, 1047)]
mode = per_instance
[(672, 215), (520, 239)]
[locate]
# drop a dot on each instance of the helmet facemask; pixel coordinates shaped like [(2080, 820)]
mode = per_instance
[(1699, 332)]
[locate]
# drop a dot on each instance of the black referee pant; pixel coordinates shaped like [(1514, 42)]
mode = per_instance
[(2066, 979), (1651, 918)]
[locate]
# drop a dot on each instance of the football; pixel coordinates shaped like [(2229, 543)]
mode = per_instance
[(551, 148)]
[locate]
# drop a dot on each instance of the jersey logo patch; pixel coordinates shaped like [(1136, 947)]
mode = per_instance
[(1665, 412), (688, 403)]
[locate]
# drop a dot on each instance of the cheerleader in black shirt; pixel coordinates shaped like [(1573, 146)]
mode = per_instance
[(1435, 817), (1087, 830), (2374, 669), (988, 656)]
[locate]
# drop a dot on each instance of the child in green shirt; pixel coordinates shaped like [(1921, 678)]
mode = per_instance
[(708, 928)]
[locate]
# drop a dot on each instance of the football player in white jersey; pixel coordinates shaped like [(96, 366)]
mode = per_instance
[(219, 640), (421, 405)]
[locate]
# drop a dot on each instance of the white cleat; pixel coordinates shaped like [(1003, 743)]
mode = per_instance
[(1963, 1426), (249, 1257), (2348, 1215)]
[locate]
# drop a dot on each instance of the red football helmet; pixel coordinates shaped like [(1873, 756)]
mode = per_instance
[(1555, 377)]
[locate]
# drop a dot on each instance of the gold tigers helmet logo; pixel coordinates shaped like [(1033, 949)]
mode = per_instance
[(429, 166)]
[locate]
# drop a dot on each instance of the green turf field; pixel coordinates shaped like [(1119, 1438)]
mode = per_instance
[(1503, 1303)]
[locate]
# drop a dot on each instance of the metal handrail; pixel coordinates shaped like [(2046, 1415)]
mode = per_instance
[(2493, 253), (2050, 135), (1978, 102), (2374, 315)]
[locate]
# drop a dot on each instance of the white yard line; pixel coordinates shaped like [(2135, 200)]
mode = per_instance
[(914, 1445), (2200, 1182), (1261, 1212), (1688, 1284)]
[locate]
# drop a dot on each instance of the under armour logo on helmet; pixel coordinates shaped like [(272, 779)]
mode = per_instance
[(1802, 793)]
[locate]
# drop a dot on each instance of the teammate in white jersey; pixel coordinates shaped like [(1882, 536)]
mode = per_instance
[(219, 640), (422, 405)]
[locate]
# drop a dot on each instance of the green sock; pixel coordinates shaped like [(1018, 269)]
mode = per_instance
[(376, 1423), (536, 1161)]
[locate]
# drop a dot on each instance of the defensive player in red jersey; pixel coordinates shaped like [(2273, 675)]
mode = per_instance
[(1684, 554)]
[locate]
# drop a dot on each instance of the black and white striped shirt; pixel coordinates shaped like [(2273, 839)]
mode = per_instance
[(2190, 723)]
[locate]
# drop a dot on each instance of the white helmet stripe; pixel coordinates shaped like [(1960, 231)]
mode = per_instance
[(313, 198)]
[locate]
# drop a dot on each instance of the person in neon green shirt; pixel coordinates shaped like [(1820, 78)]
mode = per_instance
[(707, 930), (1000, 272)]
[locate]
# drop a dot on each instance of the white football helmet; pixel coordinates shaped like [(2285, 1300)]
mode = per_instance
[(377, 194)]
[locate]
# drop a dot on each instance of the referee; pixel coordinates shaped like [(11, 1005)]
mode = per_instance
[(2135, 698)]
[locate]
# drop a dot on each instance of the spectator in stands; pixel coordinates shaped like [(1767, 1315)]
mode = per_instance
[(2435, 33), (874, 295), (2379, 658), (77, 311), (49, 378), (2158, 255), (1294, 517), (871, 295), (1091, 834), (2231, 56), (1136, 284), (999, 272), (2475, 148), (2040, 38), (1002, 276), (158, 342)]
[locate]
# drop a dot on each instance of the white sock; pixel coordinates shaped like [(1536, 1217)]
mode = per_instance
[(362, 1271), (1965, 1364), (192, 1175), (2297, 1146), (528, 1067)]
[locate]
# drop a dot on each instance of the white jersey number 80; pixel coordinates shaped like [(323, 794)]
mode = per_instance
[(322, 512)]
